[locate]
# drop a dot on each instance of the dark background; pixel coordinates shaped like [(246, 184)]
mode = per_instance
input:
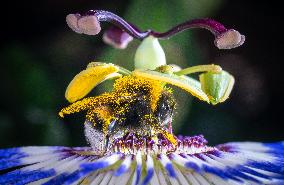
[(40, 55)]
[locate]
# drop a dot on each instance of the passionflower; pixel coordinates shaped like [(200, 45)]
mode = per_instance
[(129, 130)]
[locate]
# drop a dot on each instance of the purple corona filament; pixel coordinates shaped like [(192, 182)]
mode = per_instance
[(131, 143)]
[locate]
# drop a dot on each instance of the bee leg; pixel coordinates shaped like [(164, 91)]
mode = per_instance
[(170, 128), (109, 132), (78, 106), (170, 137), (95, 138)]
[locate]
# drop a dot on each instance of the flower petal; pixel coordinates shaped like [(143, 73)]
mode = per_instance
[(149, 170), (124, 167), (36, 162), (138, 170), (231, 163)]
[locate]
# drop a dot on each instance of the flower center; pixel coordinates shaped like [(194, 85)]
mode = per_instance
[(132, 144)]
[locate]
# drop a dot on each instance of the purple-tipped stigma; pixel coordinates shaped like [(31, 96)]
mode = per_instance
[(229, 39), (89, 24), (116, 37)]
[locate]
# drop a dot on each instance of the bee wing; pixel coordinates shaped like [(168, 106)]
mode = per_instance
[(188, 84), (87, 79)]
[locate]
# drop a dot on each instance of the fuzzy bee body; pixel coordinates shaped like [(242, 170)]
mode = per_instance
[(136, 105)]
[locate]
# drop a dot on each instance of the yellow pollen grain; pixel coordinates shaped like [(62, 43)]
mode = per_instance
[(79, 106), (103, 112), (136, 84), (108, 106)]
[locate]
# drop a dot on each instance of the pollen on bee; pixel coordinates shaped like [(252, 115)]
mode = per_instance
[(135, 104), (136, 84)]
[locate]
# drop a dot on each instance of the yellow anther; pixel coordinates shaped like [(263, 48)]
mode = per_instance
[(189, 84), (217, 86), (87, 79)]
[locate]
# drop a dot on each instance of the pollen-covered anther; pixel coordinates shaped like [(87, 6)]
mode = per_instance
[(88, 24), (229, 39), (131, 144)]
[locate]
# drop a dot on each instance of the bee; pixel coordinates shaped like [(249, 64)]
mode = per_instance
[(140, 102), (135, 105)]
